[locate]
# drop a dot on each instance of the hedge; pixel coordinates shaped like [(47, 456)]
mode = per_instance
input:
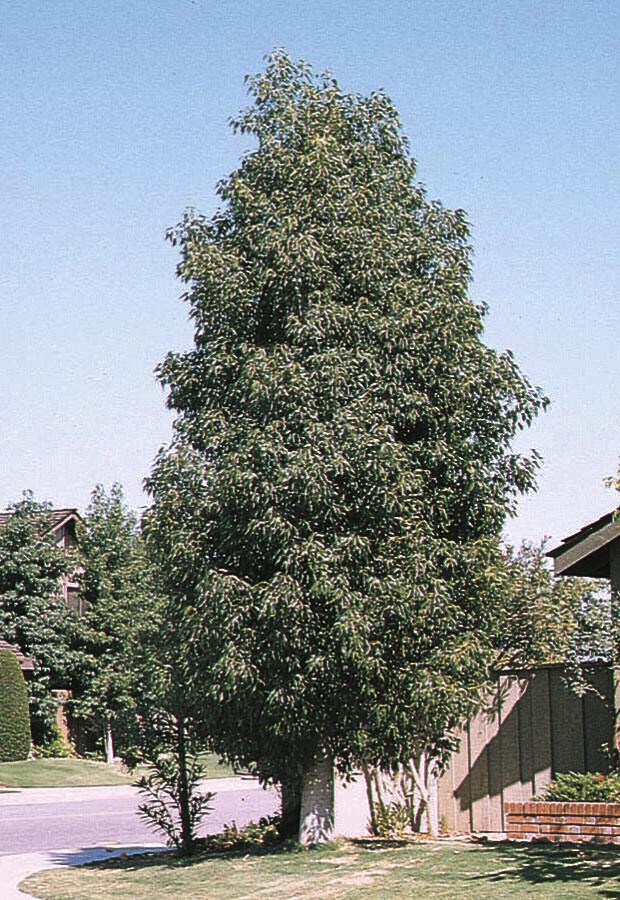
[(14, 716)]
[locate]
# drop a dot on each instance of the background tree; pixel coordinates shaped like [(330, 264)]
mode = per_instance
[(33, 612), (130, 682), (120, 617), (328, 513), (541, 619)]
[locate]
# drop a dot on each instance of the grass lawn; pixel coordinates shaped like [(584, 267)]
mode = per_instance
[(62, 773), (364, 869)]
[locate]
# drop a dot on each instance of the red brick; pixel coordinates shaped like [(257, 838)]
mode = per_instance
[(514, 806), (595, 829)]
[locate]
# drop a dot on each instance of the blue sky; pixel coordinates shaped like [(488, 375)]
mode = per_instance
[(115, 119)]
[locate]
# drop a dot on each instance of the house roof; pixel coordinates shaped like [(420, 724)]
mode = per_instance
[(25, 661), (586, 552), (57, 517)]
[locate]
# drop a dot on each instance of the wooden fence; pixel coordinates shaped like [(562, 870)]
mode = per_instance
[(533, 728)]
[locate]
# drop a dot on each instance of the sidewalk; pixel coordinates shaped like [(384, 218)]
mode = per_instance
[(15, 868)]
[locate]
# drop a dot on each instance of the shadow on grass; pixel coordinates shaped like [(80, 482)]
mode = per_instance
[(539, 864), (135, 858), (382, 844), (103, 854)]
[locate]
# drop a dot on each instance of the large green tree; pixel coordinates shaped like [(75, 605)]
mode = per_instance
[(329, 510)]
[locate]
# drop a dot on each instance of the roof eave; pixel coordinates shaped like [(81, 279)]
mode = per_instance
[(586, 553)]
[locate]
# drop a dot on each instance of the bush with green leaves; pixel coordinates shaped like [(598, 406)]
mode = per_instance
[(253, 836), (14, 718), (591, 787), (393, 820), (56, 746)]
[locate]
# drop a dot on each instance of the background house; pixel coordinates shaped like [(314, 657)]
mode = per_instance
[(62, 524)]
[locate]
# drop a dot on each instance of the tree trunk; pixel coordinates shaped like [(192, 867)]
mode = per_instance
[(187, 836), (370, 798), (108, 741), (426, 782), (291, 807), (433, 802), (317, 802)]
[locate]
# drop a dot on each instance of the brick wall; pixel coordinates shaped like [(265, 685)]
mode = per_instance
[(570, 822)]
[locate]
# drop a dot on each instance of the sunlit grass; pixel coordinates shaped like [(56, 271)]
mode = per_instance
[(64, 773), (368, 870)]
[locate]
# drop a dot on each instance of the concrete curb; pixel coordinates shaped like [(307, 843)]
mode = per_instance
[(14, 868)]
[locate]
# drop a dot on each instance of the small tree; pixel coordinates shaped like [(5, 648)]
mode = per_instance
[(14, 717), (168, 737), (169, 740), (33, 613), (329, 511)]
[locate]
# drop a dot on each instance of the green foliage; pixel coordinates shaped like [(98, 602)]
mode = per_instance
[(254, 836), (14, 718), (327, 517), (33, 613), (540, 619), (591, 787), (121, 614), (55, 746), (172, 785), (393, 819), (168, 738)]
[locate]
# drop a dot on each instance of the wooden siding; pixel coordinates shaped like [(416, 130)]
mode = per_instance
[(533, 728)]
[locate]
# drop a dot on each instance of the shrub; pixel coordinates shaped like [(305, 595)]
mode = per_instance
[(589, 786), (14, 717), (253, 836), (393, 820), (55, 747)]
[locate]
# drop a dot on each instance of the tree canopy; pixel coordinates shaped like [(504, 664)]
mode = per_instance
[(120, 617), (540, 619), (33, 612), (329, 510)]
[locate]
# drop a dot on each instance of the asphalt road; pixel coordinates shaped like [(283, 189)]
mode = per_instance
[(53, 819)]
